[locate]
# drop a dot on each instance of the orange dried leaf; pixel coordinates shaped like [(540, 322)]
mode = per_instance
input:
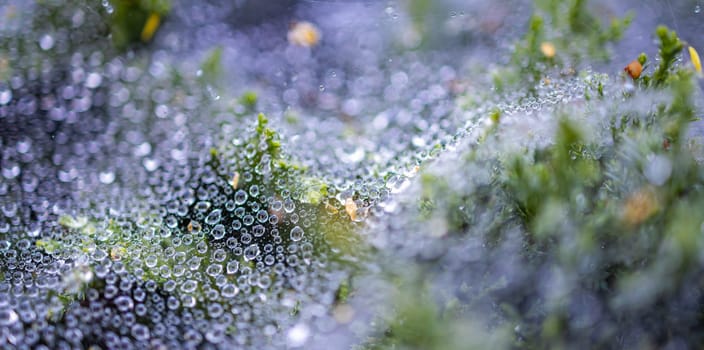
[(634, 69), (351, 208)]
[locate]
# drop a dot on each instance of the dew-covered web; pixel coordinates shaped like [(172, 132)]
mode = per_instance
[(145, 202)]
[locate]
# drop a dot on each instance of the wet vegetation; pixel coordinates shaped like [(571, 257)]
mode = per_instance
[(150, 199)]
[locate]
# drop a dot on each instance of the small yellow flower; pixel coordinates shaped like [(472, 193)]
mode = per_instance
[(304, 34), (548, 49), (695, 60), (150, 27), (640, 206)]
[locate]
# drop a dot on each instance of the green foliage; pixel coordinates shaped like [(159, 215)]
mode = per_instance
[(249, 100), (670, 47), (49, 246), (527, 58), (587, 207), (560, 34), (420, 323), (211, 68)]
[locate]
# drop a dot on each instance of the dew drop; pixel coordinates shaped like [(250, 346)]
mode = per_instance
[(140, 332), (46, 42), (251, 252), (298, 335), (229, 290), (240, 197), (189, 286), (93, 80), (289, 206), (8, 317), (232, 267), (296, 234), (218, 231), (214, 217), (5, 96), (106, 177)]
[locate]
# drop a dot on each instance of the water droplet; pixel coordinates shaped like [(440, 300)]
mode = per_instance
[(189, 286), (46, 42), (658, 169), (262, 216), (93, 80), (296, 234), (106, 177), (8, 317), (218, 231), (5, 96), (240, 197), (258, 230), (188, 301), (232, 267), (229, 290), (213, 270), (140, 332), (251, 252), (298, 335), (214, 217), (124, 303), (289, 206), (254, 191)]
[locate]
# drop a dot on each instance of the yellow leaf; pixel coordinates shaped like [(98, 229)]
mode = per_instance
[(695, 60), (150, 27)]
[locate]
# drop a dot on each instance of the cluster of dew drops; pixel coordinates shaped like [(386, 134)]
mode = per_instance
[(116, 231)]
